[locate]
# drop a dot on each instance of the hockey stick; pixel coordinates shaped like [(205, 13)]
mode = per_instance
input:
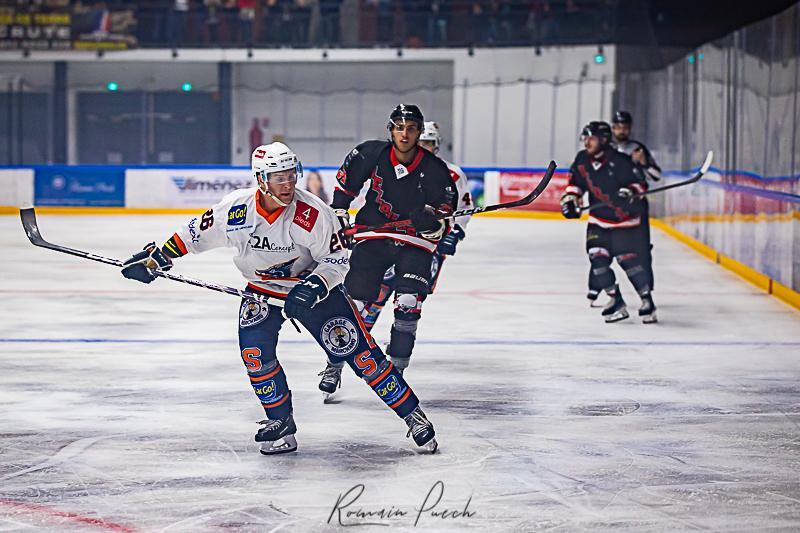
[(703, 169), (533, 195), (31, 227)]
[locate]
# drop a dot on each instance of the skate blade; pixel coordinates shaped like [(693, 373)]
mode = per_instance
[(328, 397), (649, 319), (622, 314), (284, 445), (430, 447), (594, 304)]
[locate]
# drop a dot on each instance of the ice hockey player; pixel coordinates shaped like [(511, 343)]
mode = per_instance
[(641, 156), (406, 182), (430, 140), (288, 249), (613, 231)]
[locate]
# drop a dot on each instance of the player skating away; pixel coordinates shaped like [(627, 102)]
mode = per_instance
[(430, 139), (287, 248), (613, 231), (406, 182), (641, 156)]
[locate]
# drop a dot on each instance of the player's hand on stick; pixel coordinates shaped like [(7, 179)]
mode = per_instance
[(570, 206), (142, 265), (426, 223), (344, 223), (625, 194), (447, 246), (303, 296)]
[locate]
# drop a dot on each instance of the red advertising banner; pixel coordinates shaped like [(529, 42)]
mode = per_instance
[(515, 185)]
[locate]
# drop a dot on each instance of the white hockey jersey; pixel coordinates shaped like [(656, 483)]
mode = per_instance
[(462, 188), (273, 249)]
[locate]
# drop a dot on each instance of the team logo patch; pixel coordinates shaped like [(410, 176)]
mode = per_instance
[(390, 389), (237, 215), (305, 216), (339, 336), (252, 313)]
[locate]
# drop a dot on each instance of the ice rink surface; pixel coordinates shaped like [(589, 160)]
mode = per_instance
[(126, 407)]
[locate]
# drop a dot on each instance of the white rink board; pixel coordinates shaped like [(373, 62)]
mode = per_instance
[(16, 187), (126, 407)]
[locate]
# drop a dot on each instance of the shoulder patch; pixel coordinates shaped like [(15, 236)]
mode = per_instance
[(453, 175), (305, 215)]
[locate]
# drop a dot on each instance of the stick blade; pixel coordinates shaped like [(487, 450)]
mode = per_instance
[(707, 163), (28, 217)]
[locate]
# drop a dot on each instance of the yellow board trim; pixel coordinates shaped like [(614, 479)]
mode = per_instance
[(752, 276), (761, 281)]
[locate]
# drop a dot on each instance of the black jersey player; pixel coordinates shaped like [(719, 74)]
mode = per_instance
[(641, 156), (405, 182), (614, 231)]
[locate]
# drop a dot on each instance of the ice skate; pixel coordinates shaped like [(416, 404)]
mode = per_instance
[(592, 296), (277, 436), (647, 312), (421, 430), (615, 310), (331, 380)]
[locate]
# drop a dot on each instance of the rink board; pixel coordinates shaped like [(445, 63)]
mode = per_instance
[(126, 407)]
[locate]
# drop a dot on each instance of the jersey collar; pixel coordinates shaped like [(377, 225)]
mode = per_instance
[(269, 217), (411, 166)]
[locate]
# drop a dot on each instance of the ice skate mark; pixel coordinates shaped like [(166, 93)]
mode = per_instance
[(230, 449), (42, 510), (63, 455), (605, 409)]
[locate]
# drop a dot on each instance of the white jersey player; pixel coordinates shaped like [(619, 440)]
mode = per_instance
[(287, 249)]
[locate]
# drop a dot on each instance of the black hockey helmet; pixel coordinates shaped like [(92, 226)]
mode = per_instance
[(597, 128), (622, 117), (405, 112)]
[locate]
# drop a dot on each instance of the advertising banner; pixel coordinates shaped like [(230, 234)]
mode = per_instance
[(514, 185), (79, 186), (58, 25), (203, 187)]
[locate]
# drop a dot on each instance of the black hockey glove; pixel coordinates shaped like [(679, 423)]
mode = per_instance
[(142, 265), (447, 246), (303, 296), (625, 194), (426, 223), (570, 206), (344, 223)]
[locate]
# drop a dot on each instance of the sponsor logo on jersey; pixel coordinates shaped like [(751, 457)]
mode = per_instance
[(263, 244), (252, 313), (279, 271), (339, 336), (237, 215), (267, 392), (305, 216), (339, 261), (390, 389), (195, 236)]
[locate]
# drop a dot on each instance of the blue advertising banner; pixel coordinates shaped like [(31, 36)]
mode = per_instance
[(79, 186)]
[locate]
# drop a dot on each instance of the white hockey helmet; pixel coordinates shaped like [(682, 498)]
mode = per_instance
[(430, 132), (274, 157)]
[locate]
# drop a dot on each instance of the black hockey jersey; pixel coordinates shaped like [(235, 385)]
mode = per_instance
[(602, 178), (395, 190)]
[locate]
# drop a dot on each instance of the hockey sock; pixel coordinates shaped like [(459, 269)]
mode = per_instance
[(635, 271), (272, 390), (393, 390), (601, 274)]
